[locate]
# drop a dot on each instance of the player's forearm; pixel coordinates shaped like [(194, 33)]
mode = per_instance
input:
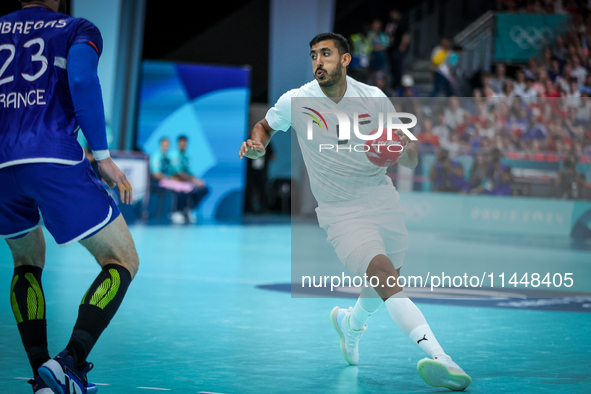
[(410, 157), (87, 97), (261, 132)]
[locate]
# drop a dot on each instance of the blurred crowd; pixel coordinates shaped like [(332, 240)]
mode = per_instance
[(492, 131), (378, 52), (538, 111)]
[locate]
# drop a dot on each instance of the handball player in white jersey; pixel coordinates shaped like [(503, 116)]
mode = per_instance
[(358, 206)]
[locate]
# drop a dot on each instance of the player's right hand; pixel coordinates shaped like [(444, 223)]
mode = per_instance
[(252, 149), (112, 175)]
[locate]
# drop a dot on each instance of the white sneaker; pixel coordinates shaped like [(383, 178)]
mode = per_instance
[(443, 372), (349, 337), (177, 217)]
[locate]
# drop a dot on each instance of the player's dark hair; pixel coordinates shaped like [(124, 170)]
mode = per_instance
[(63, 8), (340, 42), (182, 137)]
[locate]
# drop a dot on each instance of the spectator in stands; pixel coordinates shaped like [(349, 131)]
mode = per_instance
[(498, 179), (380, 42), (474, 138), (530, 94), (486, 81), (585, 87), (574, 94), (502, 113), (399, 39), (488, 128), (550, 89), (506, 6), (162, 174), (563, 81), (518, 120), (447, 175), (442, 78), (497, 81), (503, 186), (519, 85), (508, 92), (454, 145), (540, 82), (407, 87), (534, 131), (584, 109), (360, 53), (441, 129), (191, 197), (554, 70), (477, 172), (532, 68), (547, 59), (569, 184), (379, 81), (559, 50), (426, 136), (578, 70), (454, 113), (160, 164), (573, 125)]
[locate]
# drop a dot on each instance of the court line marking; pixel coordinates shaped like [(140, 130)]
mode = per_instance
[(207, 392), (153, 388), (98, 384)]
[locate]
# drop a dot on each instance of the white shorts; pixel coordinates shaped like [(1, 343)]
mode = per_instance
[(369, 226)]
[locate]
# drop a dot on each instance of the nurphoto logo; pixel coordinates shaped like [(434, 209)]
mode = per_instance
[(391, 142)]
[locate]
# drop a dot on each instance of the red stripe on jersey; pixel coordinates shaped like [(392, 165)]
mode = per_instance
[(94, 46)]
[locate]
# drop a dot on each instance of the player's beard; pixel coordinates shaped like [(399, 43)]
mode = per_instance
[(333, 78)]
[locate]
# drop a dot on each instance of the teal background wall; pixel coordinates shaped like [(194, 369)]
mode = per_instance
[(494, 214)]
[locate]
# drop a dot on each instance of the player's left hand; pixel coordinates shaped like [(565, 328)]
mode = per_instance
[(112, 175), (403, 138), (252, 149), (409, 157)]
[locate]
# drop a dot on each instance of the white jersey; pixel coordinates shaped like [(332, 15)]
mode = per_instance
[(344, 172)]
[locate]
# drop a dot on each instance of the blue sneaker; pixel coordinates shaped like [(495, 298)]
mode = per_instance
[(39, 386), (61, 376)]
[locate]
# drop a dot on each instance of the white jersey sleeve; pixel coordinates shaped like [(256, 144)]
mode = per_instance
[(279, 116)]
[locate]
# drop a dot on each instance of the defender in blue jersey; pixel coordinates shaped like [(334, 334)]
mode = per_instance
[(49, 90)]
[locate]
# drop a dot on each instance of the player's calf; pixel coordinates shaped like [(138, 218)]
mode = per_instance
[(28, 306), (98, 306)]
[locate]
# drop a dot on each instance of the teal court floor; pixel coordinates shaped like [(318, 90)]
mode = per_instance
[(208, 313)]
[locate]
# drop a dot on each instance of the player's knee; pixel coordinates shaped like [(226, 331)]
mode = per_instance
[(381, 266), (133, 263), (129, 259)]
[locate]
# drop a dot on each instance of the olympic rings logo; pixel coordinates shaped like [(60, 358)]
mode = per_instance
[(530, 37)]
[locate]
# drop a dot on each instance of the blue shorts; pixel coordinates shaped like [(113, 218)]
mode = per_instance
[(73, 202)]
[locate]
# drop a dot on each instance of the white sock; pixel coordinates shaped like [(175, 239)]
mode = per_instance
[(367, 304), (410, 319)]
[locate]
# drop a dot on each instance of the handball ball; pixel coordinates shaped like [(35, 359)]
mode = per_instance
[(384, 152)]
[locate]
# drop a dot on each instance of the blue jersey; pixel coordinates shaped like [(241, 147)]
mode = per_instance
[(37, 118)]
